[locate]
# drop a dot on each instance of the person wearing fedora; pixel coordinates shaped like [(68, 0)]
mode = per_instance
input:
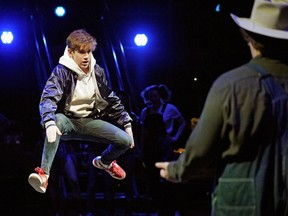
[(241, 127)]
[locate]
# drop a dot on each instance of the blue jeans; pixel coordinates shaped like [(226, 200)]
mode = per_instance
[(88, 129)]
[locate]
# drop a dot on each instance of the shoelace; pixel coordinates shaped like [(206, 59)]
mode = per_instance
[(42, 175), (39, 171), (114, 169)]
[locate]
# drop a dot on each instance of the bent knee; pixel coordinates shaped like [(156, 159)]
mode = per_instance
[(61, 120), (126, 141)]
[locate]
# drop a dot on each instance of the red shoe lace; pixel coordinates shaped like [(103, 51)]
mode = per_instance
[(39, 171), (42, 175), (115, 168)]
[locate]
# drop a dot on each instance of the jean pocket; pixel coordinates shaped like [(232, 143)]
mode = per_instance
[(234, 196)]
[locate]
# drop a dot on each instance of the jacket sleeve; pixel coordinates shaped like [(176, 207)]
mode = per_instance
[(201, 147), (116, 110), (232, 127), (51, 95)]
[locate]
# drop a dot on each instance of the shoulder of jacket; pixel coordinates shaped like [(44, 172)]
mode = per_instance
[(64, 70), (239, 74), (98, 68)]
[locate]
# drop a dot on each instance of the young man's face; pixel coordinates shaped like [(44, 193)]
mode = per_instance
[(82, 58)]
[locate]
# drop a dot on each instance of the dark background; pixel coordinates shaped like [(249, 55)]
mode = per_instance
[(187, 39)]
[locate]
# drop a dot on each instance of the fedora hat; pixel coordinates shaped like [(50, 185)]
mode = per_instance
[(268, 18)]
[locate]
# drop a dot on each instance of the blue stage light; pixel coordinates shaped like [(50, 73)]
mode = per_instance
[(217, 9), (60, 11), (7, 37), (141, 40)]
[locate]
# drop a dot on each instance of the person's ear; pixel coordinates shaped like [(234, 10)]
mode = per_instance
[(254, 52), (70, 52)]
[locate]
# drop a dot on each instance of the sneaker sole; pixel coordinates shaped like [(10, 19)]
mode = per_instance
[(36, 184), (95, 165)]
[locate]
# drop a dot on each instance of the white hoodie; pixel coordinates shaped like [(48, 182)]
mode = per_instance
[(86, 92)]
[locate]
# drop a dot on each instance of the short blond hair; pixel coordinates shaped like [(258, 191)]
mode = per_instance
[(81, 40)]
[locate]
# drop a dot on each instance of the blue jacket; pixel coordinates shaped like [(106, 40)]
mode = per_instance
[(58, 92)]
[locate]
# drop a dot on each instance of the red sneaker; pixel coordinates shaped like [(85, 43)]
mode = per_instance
[(113, 169), (39, 180)]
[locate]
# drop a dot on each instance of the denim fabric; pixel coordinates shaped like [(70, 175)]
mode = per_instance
[(234, 196), (88, 129)]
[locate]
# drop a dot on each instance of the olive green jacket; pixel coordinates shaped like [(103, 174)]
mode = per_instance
[(236, 133)]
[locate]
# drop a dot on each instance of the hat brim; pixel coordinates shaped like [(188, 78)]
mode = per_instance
[(249, 25)]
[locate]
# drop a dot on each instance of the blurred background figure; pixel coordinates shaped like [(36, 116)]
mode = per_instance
[(162, 128)]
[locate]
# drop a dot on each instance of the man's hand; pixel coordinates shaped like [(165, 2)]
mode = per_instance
[(128, 130), (52, 132), (163, 166)]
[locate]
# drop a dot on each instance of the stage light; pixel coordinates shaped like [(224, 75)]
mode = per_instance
[(60, 11), (6, 37), (141, 40), (217, 9)]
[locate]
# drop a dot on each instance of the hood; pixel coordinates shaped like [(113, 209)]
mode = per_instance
[(67, 61)]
